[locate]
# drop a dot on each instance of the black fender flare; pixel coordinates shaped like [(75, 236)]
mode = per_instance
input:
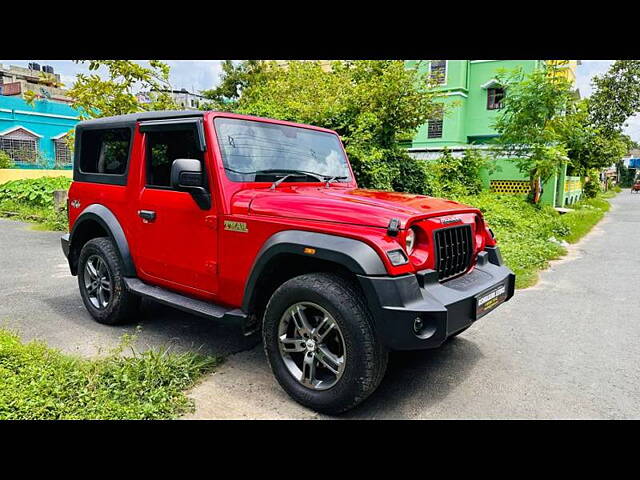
[(108, 221), (355, 255)]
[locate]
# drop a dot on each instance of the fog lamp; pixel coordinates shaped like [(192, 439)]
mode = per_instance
[(417, 325)]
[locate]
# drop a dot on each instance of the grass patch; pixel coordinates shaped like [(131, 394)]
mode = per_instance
[(586, 213), (43, 218), (525, 232), (38, 382)]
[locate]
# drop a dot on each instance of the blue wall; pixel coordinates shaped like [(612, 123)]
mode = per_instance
[(45, 118)]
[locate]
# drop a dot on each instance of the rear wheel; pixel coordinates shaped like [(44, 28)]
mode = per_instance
[(102, 285), (319, 341)]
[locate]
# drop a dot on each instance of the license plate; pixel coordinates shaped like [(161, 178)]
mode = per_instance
[(487, 301)]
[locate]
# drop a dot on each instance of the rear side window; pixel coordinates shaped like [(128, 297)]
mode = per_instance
[(105, 151)]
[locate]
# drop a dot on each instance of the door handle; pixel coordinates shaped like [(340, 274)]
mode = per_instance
[(147, 215)]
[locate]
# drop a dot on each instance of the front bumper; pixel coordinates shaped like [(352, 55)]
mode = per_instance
[(444, 308)]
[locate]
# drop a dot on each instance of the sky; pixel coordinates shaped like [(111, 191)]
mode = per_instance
[(204, 74)]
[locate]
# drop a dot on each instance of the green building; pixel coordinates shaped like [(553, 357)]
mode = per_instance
[(472, 97)]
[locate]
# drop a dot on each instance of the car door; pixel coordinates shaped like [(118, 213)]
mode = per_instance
[(177, 238)]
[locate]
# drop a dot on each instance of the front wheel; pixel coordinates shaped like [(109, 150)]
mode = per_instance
[(319, 341)]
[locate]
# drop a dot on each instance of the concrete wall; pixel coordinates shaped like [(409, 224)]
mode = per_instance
[(8, 174)]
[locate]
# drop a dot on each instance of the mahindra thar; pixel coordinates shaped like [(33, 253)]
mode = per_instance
[(261, 222)]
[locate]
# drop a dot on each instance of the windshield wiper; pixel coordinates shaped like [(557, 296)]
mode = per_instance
[(282, 179), (333, 179)]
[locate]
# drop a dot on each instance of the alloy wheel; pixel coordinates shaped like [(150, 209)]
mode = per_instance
[(311, 345), (97, 282)]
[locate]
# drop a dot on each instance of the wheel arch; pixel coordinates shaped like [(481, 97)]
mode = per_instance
[(98, 221), (283, 257)]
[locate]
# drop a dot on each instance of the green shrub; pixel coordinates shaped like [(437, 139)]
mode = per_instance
[(591, 187), (5, 160), (415, 176), (456, 175), (42, 383), (32, 200), (36, 192)]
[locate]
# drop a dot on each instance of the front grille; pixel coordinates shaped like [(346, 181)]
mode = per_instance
[(454, 249)]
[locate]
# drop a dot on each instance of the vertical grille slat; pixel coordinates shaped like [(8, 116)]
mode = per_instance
[(454, 250)]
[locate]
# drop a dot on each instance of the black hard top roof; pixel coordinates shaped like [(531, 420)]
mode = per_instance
[(132, 118)]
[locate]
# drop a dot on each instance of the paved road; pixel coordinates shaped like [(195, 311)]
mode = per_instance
[(567, 348)]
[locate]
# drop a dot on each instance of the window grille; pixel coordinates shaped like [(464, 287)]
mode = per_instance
[(63, 152), (438, 71), (510, 186), (20, 150), (434, 125)]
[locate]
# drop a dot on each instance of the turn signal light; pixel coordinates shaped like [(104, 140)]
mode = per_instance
[(397, 257)]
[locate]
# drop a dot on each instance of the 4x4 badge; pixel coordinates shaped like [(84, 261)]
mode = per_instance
[(236, 226), (75, 204)]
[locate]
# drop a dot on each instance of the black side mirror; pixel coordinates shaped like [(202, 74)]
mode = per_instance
[(187, 176)]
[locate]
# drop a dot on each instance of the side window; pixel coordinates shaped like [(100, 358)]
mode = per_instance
[(105, 151), (163, 147)]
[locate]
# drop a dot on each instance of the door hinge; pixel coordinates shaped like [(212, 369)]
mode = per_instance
[(211, 221)]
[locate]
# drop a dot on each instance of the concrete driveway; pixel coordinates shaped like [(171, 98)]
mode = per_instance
[(567, 348)]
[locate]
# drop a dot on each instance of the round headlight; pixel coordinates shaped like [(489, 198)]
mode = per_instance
[(410, 240)]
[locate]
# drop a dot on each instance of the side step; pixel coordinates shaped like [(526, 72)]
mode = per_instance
[(192, 305)]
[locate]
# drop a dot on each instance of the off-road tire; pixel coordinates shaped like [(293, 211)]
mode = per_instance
[(123, 305), (366, 357)]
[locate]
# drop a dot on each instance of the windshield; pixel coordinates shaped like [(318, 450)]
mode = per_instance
[(254, 151)]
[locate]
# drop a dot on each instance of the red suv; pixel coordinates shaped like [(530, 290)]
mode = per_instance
[(261, 222)]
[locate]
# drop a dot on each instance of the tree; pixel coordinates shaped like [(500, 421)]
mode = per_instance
[(96, 97), (371, 104), (234, 78), (528, 122), (588, 147), (616, 96)]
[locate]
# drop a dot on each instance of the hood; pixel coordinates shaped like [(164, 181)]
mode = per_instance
[(345, 205)]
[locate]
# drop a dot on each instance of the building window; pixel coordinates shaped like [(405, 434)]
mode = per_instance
[(434, 125), (63, 152), (494, 98), (20, 150), (438, 71)]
